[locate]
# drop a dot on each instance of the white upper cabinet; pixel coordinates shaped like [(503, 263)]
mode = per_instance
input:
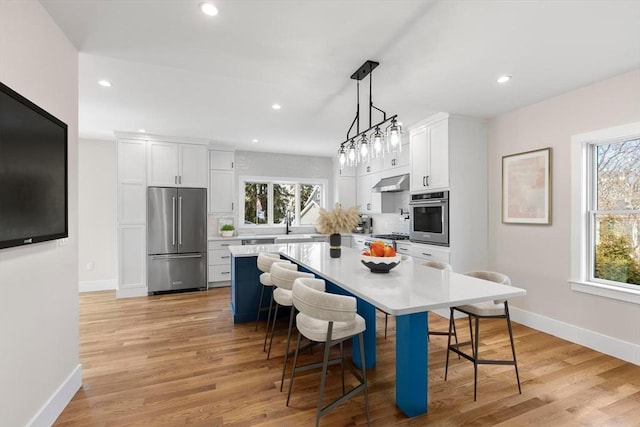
[(429, 149), (221, 181), (370, 202), (221, 160), (177, 165), (394, 164)]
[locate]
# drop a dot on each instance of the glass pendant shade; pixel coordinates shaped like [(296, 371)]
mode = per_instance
[(377, 144), (342, 157), (363, 149), (394, 143), (352, 155)]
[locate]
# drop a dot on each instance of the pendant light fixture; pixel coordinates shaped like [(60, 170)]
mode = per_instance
[(371, 142)]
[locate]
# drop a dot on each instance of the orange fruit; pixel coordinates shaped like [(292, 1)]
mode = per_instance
[(367, 253), (389, 251), (377, 249)]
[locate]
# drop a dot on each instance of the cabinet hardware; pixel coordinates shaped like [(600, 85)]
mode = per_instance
[(224, 272), (424, 181), (231, 165), (180, 180), (224, 257), (427, 180), (232, 206), (175, 179), (368, 169), (426, 254), (224, 244), (368, 206)]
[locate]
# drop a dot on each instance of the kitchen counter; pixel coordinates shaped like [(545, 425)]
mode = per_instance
[(266, 236), (408, 288), (408, 291)]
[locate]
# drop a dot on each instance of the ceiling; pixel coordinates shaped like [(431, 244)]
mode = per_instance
[(178, 72)]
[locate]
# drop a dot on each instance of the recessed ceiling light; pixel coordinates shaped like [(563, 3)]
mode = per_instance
[(142, 131), (276, 106), (504, 79), (254, 140), (104, 83), (208, 9)]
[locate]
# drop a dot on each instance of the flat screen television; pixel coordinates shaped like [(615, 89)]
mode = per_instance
[(33, 173)]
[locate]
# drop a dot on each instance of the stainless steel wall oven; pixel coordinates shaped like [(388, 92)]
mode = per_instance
[(430, 218)]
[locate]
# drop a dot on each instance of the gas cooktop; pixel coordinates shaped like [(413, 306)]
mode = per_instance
[(394, 236)]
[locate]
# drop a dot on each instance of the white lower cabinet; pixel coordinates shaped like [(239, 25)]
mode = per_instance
[(420, 251), (219, 261)]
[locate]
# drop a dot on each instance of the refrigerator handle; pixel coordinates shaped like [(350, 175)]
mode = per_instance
[(173, 222), (179, 220)]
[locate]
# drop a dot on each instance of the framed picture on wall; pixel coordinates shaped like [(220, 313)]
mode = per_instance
[(526, 187)]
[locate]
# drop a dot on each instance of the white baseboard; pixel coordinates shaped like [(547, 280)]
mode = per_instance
[(624, 350), (54, 406), (97, 285), (132, 292)]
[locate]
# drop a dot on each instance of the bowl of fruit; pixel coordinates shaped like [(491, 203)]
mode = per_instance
[(380, 258)]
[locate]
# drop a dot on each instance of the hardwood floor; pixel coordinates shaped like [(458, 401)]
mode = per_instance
[(178, 359)]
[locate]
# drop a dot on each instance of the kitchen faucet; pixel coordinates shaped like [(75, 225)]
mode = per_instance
[(287, 221)]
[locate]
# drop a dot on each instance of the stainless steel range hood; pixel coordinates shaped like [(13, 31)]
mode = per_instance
[(392, 184)]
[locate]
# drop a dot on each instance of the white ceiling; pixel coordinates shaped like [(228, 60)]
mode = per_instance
[(176, 71)]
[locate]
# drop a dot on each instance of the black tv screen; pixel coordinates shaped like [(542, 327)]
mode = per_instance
[(33, 173)]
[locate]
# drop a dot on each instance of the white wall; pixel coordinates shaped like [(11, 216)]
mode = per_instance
[(252, 163), (538, 257), (39, 363), (97, 214)]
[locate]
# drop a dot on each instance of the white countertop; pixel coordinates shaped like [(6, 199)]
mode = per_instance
[(408, 288), (266, 236)]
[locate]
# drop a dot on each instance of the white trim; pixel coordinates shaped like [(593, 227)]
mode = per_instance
[(131, 292), (580, 233), (96, 285), (624, 350), (56, 403), (608, 291)]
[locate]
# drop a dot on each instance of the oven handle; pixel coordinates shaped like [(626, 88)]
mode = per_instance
[(426, 202)]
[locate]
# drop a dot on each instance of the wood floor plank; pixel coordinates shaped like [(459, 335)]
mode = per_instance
[(178, 359)]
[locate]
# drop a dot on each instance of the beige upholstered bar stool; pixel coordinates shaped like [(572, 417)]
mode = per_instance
[(498, 309), (265, 262), (441, 265), (265, 259), (329, 319), (282, 277), (318, 285)]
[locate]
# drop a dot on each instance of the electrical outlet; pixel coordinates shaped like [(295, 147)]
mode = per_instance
[(90, 266)]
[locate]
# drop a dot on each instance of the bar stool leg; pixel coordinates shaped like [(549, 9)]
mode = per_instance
[(475, 357), (513, 348), (266, 333), (273, 329), (259, 307), (293, 370), (364, 376), (325, 363), (286, 352), (451, 326)]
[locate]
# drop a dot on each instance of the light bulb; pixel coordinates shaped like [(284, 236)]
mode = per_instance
[(378, 144)]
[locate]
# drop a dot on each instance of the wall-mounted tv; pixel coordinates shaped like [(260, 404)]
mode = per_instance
[(33, 173)]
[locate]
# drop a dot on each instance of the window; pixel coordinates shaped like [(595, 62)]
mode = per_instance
[(605, 243), (271, 202), (614, 212)]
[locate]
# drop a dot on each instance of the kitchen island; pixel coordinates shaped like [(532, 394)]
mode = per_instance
[(408, 292)]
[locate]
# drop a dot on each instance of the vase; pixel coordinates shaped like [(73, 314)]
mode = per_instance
[(335, 243)]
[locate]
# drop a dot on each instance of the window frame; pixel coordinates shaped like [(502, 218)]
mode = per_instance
[(583, 165), (270, 181)]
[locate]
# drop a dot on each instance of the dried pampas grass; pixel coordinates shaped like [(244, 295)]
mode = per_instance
[(337, 220)]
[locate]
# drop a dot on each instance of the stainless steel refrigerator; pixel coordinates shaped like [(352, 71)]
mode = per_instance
[(176, 238)]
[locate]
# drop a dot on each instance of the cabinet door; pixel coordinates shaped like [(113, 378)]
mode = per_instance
[(363, 193), (221, 191), (439, 155), (193, 166), (162, 165), (346, 191), (221, 160), (375, 198), (419, 158)]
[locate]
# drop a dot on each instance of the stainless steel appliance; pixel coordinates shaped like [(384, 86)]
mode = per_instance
[(365, 225), (176, 238), (430, 218)]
